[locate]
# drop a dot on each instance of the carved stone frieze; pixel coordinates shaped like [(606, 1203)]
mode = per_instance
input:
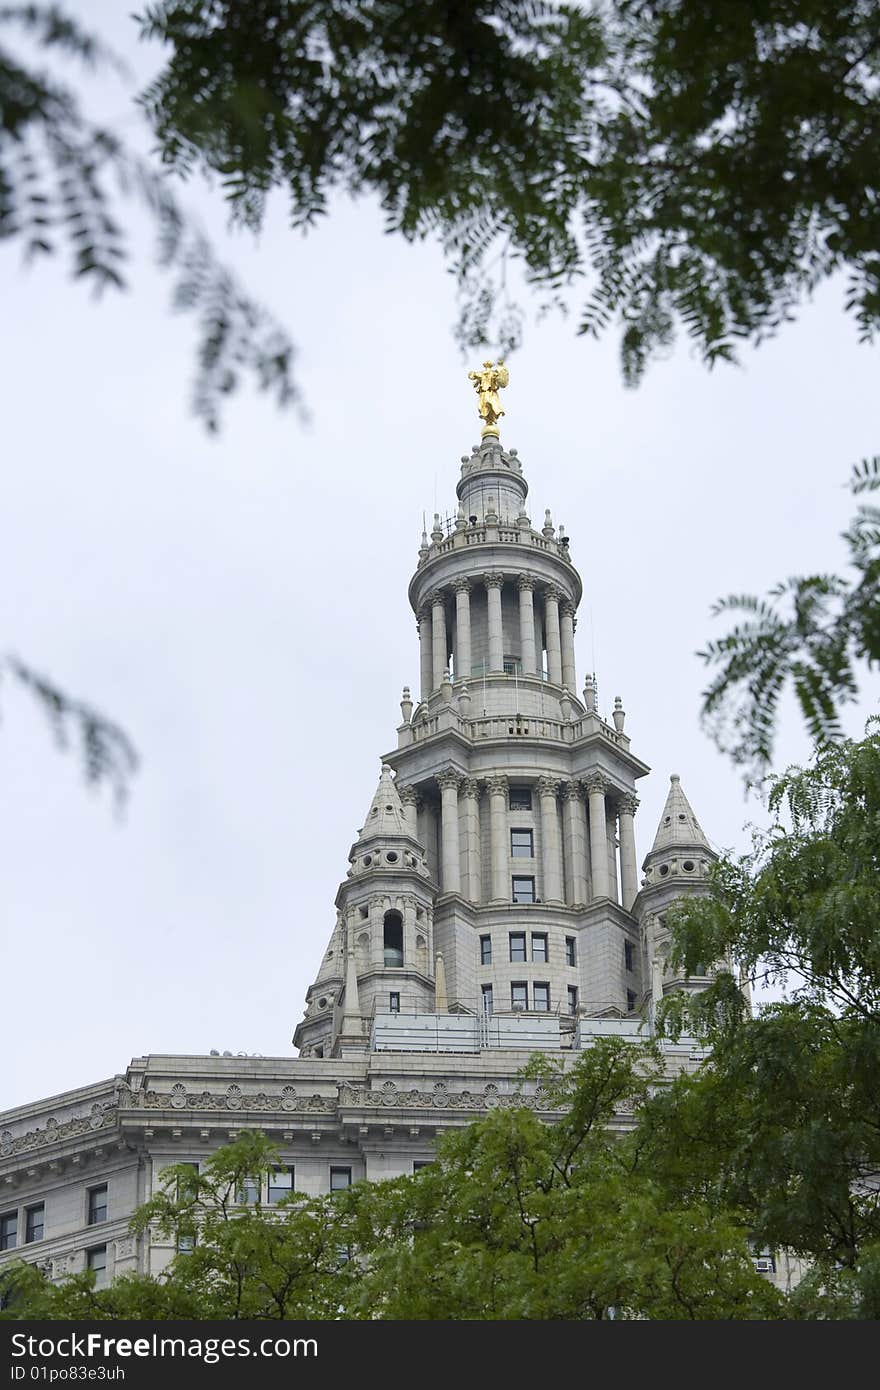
[(100, 1116), (234, 1098), (438, 1098)]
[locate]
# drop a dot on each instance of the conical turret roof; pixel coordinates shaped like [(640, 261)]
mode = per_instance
[(678, 826), (386, 814)]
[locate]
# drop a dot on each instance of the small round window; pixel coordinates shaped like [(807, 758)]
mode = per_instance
[(391, 856), (322, 1003), (689, 866), (368, 859), (664, 870)]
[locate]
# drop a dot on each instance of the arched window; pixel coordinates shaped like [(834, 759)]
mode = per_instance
[(393, 939)]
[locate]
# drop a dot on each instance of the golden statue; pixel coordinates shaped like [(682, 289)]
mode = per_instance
[(487, 384)]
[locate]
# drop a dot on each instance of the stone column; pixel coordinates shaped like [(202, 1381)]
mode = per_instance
[(596, 787), (551, 855), (450, 863), (426, 653), (629, 873), (410, 800), (493, 583), (438, 628), (554, 641), (409, 931), (497, 788), (574, 839), (566, 632), (462, 589), (611, 841), (473, 879), (526, 585)]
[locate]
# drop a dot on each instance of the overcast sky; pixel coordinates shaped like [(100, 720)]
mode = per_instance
[(239, 604)]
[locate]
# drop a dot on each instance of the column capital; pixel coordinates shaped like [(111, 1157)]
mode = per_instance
[(525, 581), (409, 796), (571, 791), (547, 786), (423, 612), (566, 607), (448, 777), (497, 785), (437, 596), (470, 787), (462, 586), (596, 782), (493, 580), (627, 804), (552, 593)]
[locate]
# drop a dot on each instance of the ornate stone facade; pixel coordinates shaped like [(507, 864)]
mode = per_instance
[(490, 908)]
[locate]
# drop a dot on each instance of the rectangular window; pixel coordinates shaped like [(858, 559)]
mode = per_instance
[(34, 1218), (522, 844), (523, 890), (280, 1184), (487, 999), (570, 951), (631, 999), (519, 995), (512, 666), (186, 1245), (629, 955), (572, 999), (8, 1230), (394, 1003), (520, 799), (248, 1195), (539, 946), (541, 998), (485, 950), (97, 1205), (421, 1163), (182, 1190), (518, 945), (96, 1260), (340, 1179)]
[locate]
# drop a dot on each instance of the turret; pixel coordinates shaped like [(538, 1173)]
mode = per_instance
[(381, 954), (677, 866)]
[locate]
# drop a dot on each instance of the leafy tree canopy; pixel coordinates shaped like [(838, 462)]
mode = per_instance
[(515, 1219), (811, 632), (704, 165), (783, 1122)]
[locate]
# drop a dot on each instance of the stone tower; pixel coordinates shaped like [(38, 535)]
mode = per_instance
[(491, 908), (495, 879)]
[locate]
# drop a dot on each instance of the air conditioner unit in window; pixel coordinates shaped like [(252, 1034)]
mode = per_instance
[(764, 1266)]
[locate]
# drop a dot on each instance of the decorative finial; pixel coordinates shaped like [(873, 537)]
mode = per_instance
[(491, 379)]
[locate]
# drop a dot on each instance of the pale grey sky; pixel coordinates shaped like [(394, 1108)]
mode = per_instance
[(239, 604)]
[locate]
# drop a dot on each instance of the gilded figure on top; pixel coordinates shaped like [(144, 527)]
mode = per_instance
[(487, 383)]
